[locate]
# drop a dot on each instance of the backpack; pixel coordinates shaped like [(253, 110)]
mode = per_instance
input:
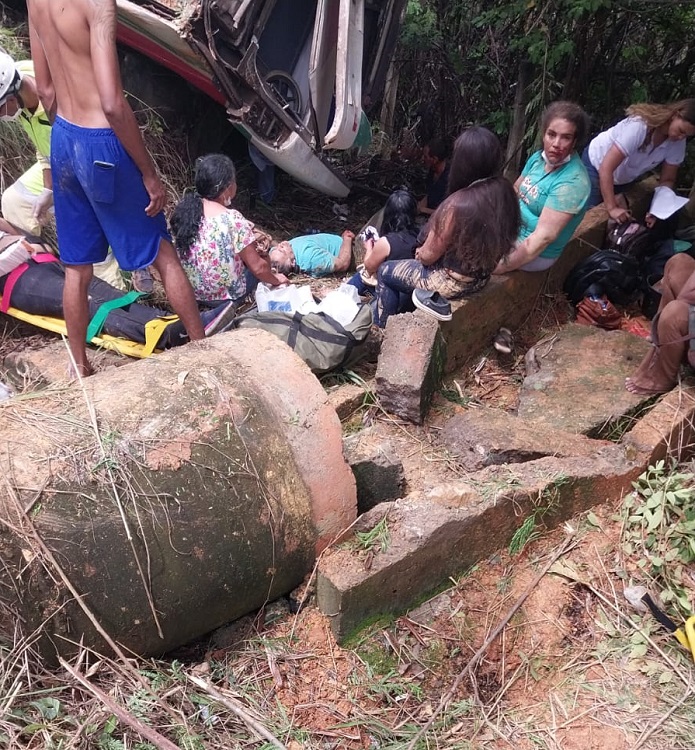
[(606, 272), (630, 238), (318, 339)]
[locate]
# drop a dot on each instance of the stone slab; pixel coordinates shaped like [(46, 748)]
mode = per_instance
[(484, 437), (411, 365), (667, 430), (580, 382), (441, 532)]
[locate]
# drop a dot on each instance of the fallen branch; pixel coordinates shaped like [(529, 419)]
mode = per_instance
[(473, 661), (151, 735), (238, 710)]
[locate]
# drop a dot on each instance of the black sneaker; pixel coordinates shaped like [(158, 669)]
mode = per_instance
[(432, 303), (215, 321), (504, 341)]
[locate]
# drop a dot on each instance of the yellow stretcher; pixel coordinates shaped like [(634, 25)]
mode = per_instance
[(153, 331)]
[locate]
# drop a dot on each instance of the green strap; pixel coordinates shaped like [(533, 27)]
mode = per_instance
[(97, 322)]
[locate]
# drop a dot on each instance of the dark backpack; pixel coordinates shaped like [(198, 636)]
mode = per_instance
[(630, 238), (318, 339), (606, 272)]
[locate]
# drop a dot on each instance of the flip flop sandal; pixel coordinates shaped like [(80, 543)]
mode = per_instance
[(368, 278), (432, 303), (504, 341)]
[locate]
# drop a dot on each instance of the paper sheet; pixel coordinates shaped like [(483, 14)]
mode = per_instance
[(665, 203)]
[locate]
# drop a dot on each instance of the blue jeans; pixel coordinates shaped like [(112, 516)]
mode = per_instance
[(396, 280), (595, 196)]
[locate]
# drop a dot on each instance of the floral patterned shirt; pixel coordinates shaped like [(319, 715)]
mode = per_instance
[(213, 265)]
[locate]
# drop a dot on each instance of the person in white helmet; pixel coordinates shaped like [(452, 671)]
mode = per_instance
[(26, 202)]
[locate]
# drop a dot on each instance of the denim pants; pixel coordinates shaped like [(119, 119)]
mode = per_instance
[(396, 280), (595, 196)]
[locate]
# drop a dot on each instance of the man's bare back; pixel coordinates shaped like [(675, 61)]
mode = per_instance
[(77, 37)]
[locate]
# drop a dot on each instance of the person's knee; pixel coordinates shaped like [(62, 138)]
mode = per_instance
[(673, 321), (677, 265)]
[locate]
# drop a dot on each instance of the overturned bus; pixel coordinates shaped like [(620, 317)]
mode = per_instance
[(293, 75)]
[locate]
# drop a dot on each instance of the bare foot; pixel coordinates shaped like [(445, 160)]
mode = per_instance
[(640, 390), (84, 370)]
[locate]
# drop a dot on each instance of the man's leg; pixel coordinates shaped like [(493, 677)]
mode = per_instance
[(76, 313), (178, 289)]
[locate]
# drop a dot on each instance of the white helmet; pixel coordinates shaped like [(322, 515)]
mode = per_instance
[(9, 76)]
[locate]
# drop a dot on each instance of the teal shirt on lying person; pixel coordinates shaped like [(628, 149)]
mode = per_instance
[(564, 189), (315, 254)]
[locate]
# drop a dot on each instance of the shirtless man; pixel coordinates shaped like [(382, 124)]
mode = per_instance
[(106, 186)]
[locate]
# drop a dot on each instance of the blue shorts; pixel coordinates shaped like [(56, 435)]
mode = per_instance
[(100, 200)]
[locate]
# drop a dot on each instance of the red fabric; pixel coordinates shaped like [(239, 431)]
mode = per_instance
[(13, 275)]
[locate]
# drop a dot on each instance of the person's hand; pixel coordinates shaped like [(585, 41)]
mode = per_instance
[(157, 192), (348, 235), (44, 200), (282, 279), (649, 221), (619, 214)]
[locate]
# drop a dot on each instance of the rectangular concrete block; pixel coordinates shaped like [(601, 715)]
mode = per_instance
[(440, 533), (411, 365)]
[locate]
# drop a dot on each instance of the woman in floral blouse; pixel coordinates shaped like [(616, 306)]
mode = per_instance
[(216, 243)]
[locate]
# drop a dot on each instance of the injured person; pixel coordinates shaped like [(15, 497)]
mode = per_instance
[(32, 281)]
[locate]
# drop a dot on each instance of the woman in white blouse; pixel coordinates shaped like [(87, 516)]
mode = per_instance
[(650, 135)]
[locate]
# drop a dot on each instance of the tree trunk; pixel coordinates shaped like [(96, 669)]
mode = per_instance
[(518, 128), (388, 107)]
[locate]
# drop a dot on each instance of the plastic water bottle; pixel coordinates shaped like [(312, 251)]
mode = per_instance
[(5, 392)]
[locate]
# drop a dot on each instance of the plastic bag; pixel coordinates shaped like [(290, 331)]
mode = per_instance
[(290, 298), (341, 304)]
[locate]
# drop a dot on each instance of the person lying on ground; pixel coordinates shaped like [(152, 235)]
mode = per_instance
[(217, 245), (106, 188), (399, 234), (658, 371), (315, 254), (34, 280), (470, 232), (26, 203), (553, 191), (650, 135)]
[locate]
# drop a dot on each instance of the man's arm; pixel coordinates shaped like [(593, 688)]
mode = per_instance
[(342, 262), (550, 224), (102, 22), (42, 73)]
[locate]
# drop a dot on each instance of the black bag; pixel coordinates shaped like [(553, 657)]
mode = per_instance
[(606, 272), (630, 238), (318, 339)]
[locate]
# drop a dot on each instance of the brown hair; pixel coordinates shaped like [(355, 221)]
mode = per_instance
[(567, 111), (656, 115), (481, 223)]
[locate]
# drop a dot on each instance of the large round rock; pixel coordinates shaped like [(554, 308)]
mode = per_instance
[(175, 493)]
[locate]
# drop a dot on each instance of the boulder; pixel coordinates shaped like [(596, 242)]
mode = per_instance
[(176, 493)]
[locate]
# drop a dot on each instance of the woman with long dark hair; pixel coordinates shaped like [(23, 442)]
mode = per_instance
[(399, 236), (468, 234), (650, 135), (216, 243)]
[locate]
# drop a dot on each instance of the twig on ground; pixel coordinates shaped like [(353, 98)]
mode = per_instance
[(151, 735), (473, 661), (238, 710)]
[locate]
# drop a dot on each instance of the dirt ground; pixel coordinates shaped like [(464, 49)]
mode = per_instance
[(568, 672)]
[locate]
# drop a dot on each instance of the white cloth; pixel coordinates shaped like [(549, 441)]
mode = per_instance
[(629, 136)]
